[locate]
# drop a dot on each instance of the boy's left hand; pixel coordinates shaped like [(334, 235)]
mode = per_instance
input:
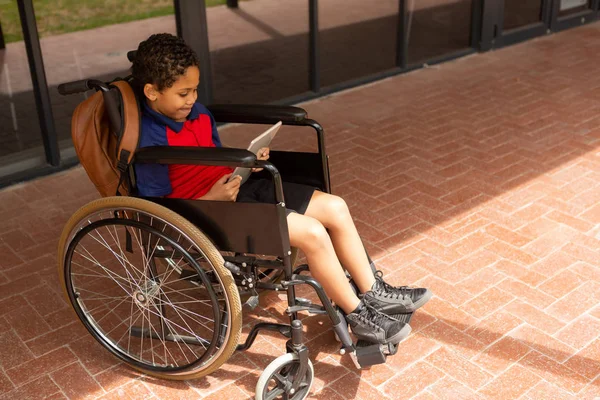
[(263, 154)]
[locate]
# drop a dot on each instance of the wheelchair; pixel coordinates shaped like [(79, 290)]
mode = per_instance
[(161, 283)]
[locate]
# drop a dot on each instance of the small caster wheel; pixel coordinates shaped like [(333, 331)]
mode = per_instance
[(277, 379)]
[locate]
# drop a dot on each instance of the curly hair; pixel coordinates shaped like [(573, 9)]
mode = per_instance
[(161, 59)]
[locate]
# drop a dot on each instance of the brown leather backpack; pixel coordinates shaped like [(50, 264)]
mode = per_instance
[(106, 146)]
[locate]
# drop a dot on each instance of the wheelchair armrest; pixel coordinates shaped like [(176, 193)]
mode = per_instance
[(195, 156), (257, 113)]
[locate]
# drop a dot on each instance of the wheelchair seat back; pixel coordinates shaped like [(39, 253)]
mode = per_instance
[(105, 129)]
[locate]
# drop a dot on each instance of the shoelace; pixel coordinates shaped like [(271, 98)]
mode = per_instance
[(372, 317), (389, 290)]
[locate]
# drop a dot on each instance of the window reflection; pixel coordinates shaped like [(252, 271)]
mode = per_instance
[(259, 51), (518, 13), (437, 27), (358, 38)]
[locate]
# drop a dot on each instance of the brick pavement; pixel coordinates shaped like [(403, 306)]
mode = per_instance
[(478, 178)]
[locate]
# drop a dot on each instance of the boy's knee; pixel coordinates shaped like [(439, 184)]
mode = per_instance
[(337, 206), (315, 236)]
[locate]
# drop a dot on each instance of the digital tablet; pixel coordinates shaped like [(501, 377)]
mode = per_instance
[(262, 140)]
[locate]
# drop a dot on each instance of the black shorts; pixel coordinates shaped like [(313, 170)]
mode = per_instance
[(296, 196)]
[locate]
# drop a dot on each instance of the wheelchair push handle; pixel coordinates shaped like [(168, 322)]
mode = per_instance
[(81, 86)]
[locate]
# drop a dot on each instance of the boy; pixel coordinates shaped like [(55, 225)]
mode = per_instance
[(320, 224)]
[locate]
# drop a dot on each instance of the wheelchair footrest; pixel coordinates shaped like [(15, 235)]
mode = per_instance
[(368, 354)]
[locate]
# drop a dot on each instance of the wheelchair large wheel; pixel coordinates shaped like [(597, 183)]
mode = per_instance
[(142, 280)]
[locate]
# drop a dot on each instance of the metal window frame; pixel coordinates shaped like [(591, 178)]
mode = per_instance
[(495, 36), (190, 17), (558, 23), (39, 81)]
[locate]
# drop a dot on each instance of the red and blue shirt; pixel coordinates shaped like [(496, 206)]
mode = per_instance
[(180, 181)]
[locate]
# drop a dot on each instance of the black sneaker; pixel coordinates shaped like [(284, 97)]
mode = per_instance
[(373, 326), (396, 300)]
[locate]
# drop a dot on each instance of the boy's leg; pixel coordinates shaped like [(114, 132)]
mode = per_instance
[(366, 322), (333, 213), (310, 236)]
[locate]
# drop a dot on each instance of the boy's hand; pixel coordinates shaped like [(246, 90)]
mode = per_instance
[(263, 154), (223, 190)]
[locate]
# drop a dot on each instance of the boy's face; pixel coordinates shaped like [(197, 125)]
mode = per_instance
[(176, 101)]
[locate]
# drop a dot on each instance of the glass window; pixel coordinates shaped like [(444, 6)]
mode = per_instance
[(90, 40), (518, 13), (357, 38), (21, 145), (259, 51), (437, 27), (568, 7)]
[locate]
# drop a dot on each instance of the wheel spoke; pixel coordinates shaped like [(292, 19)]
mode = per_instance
[(149, 305)]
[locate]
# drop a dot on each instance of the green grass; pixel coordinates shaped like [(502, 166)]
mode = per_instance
[(61, 16)]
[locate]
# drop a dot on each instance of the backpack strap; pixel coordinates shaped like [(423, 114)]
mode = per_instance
[(129, 134)]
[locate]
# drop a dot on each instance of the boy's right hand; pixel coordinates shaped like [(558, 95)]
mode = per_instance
[(223, 190)]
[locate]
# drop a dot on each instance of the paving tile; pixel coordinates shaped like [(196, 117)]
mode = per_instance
[(586, 270), (506, 235), (412, 350), (558, 374), (534, 317), (562, 283), (512, 253), (75, 381), (40, 366), (467, 266), (5, 384), (487, 302), (229, 392), (580, 332), (543, 343), (448, 388), (453, 339), (519, 272), (511, 384), (237, 367), (116, 377), (450, 314), (501, 355), (586, 362), (14, 352), (526, 293), (572, 305), (444, 290), (552, 264), (11, 303), (545, 390), (350, 387), (41, 388), (27, 328), (459, 368), (413, 380), (494, 327)]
